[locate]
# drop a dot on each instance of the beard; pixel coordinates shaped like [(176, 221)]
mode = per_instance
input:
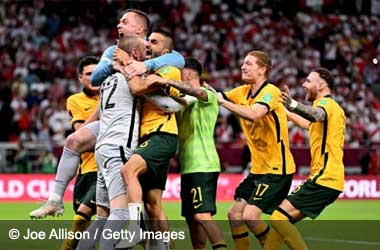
[(311, 95)]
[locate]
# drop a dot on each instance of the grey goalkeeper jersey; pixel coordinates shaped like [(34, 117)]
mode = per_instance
[(119, 114)]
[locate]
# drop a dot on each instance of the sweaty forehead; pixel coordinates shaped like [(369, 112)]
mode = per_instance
[(127, 16), (250, 59), (313, 76), (156, 37), (89, 68)]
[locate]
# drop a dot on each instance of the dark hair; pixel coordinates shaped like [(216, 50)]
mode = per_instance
[(326, 75), (194, 64), (143, 17), (85, 61), (168, 38)]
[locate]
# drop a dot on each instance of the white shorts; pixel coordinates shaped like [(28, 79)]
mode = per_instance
[(93, 127), (110, 159)]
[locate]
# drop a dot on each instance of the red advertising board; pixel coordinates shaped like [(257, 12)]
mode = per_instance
[(32, 187)]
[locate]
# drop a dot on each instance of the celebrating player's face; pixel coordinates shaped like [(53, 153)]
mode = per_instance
[(85, 78), (128, 24), (250, 71), (155, 46), (311, 85)]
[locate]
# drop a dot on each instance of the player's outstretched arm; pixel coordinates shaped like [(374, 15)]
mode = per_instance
[(166, 104), (104, 68), (173, 58), (135, 68), (186, 88), (248, 113), (298, 120)]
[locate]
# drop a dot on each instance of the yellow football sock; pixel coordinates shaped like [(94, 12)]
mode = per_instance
[(274, 240), (261, 231), (288, 231), (219, 245), (80, 224), (240, 236)]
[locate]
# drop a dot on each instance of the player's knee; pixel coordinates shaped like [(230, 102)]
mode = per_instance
[(72, 142), (127, 172), (234, 215), (84, 209), (76, 142), (251, 213), (153, 210)]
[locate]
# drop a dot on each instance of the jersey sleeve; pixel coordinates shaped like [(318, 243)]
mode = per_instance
[(74, 110), (173, 58), (233, 95), (171, 73), (325, 104), (211, 97), (269, 97), (104, 68)]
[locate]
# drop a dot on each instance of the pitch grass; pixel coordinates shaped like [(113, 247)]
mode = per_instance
[(340, 210), (344, 225)]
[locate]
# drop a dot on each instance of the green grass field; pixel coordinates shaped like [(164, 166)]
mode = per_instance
[(344, 225), (340, 210)]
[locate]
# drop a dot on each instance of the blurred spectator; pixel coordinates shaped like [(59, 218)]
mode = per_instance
[(41, 42), (48, 162), (22, 160), (223, 130)]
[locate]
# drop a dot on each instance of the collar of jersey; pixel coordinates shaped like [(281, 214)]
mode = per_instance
[(258, 91), (88, 93)]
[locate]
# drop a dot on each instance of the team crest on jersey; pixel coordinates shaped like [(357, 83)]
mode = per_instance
[(144, 144), (267, 98), (164, 70), (322, 102)]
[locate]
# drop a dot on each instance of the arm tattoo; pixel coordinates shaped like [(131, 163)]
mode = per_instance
[(310, 113), (190, 90)]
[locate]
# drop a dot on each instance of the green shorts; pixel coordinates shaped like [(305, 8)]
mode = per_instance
[(85, 191), (264, 191), (157, 150), (198, 193), (311, 198)]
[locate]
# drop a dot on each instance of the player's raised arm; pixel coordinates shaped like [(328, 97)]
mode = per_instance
[(251, 114), (104, 68), (312, 114)]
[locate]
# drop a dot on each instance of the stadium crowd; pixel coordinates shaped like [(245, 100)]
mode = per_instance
[(41, 42)]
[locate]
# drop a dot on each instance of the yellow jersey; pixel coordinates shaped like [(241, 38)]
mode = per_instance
[(80, 106), (152, 118), (326, 145), (267, 137)]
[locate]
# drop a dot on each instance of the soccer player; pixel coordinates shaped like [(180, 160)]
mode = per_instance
[(118, 137), (80, 106), (264, 123), (198, 158), (84, 139), (146, 171), (326, 122)]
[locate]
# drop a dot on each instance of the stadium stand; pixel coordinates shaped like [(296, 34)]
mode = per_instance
[(41, 42)]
